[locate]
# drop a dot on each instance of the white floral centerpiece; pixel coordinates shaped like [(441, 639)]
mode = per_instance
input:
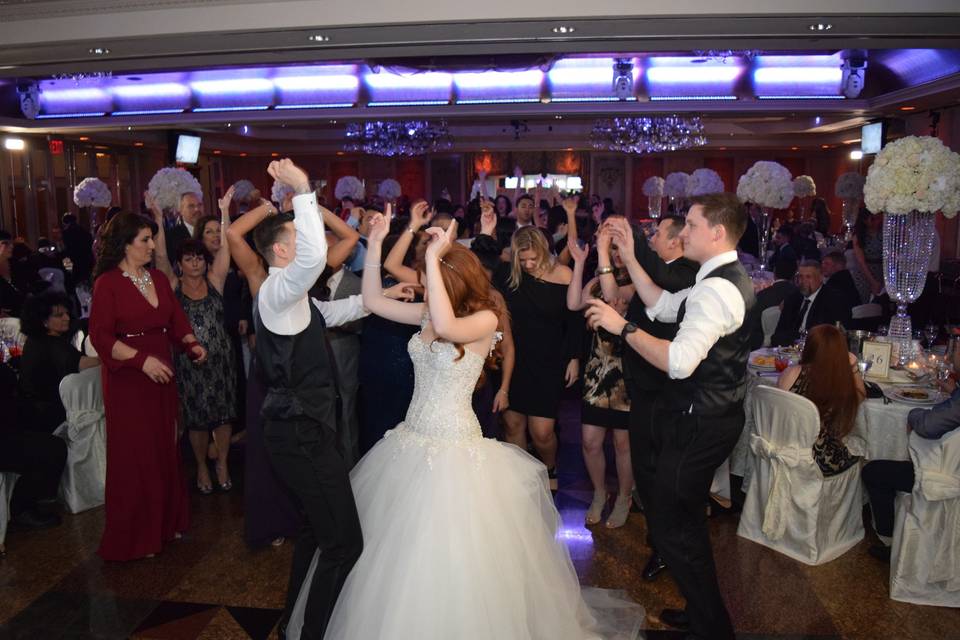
[(389, 189), (280, 191), (910, 180), (244, 192), (804, 187), (768, 184), (850, 186), (675, 186), (653, 187), (350, 187), (703, 182), (169, 184), (92, 192)]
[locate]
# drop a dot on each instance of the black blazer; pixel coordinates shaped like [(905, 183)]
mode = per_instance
[(772, 296), (842, 281), (176, 236), (829, 307)]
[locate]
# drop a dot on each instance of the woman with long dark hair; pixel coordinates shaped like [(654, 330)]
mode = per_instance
[(135, 321), (828, 376), (868, 252)]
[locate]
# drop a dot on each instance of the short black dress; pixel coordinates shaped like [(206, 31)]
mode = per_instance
[(546, 336)]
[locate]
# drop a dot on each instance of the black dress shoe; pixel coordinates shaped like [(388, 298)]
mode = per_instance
[(32, 520), (880, 552), (675, 618), (653, 567)]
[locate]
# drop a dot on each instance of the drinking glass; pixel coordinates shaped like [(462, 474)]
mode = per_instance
[(930, 332)]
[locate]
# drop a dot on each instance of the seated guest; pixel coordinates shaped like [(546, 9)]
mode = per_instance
[(828, 376), (783, 248), (47, 358), (773, 296), (883, 478), (836, 276), (813, 304), (805, 242)]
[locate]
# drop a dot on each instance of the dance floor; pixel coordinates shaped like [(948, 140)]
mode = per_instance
[(210, 585)]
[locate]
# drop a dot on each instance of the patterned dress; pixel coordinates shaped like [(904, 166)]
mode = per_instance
[(830, 454), (208, 393)]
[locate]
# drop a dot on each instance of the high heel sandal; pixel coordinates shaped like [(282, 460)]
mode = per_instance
[(621, 509), (595, 512), (224, 486), (204, 489)]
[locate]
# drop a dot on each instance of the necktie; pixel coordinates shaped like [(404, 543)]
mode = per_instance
[(803, 313)]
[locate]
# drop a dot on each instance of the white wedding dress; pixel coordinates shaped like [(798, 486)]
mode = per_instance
[(459, 532)]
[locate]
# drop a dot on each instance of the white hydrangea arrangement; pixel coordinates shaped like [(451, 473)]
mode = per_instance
[(915, 173), (653, 187), (850, 186), (389, 189), (804, 187), (244, 191), (675, 186), (768, 184), (704, 182), (280, 191), (169, 184), (349, 187), (92, 192)]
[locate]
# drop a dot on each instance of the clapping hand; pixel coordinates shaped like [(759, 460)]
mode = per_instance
[(379, 225), (288, 173), (441, 241), (576, 252)]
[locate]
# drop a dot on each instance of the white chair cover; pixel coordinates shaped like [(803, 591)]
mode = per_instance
[(7, 480), (925, 558), (790, 506), (768, 320), (870, 310), (85, 474)]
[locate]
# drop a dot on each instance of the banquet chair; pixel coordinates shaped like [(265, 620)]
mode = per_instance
[(84, 475), (925, 557), (7, 481), (790, 506), (768, 321)]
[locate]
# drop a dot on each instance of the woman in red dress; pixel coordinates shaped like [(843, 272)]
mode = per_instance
[(134, 322)]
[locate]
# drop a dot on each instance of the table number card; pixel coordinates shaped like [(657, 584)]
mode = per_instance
[(878, 355)]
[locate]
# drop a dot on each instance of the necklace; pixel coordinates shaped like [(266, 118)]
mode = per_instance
[(142, 281)]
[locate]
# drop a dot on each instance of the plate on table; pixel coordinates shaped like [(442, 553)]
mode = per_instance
[(763, 361), (916, 395)]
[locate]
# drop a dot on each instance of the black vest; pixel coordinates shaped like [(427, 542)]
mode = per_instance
[(719, 384), (298, 372)]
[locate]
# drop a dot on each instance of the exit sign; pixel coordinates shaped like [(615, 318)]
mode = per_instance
[(56, 147)]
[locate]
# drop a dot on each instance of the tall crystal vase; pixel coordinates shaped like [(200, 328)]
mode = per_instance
[(654, 202), (850, 210), (907, 245), (764, 228)]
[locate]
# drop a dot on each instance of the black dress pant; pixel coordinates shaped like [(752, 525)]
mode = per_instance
[(306, 456), (691, 449), (39, 458), (644, 450), (883, 479)]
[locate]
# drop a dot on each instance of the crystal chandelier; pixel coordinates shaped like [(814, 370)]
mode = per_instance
[(77, 78), (722, 55), (647, 134), (400, 138)]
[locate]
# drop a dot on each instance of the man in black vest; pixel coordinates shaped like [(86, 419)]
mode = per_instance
[(663, 260), (300, 409), (700, 410)]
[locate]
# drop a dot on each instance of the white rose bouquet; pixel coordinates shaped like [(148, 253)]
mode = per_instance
[(653, 187), (92, 192), (768, 184), (914, 174), (349, 187), (675, 186), (389, 189), (850, 186), (704, 182), (804, 187), (169, 184)]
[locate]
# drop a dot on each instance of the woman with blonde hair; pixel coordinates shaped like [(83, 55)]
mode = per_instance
[(547, 339)]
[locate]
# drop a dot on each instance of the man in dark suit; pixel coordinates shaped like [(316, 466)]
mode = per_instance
[(813, 304), (783, 248), (773, 296), (188, 212), (836, 276), (663, 260), (78, 246)]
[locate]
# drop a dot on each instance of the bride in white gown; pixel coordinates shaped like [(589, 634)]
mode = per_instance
[(459, 531)]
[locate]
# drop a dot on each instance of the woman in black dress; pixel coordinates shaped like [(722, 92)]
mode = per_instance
[(547, 339)]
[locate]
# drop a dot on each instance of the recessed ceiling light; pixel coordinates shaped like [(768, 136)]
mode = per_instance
[(319, 37), (84, 138), (856, 155), (243, 154), (907, 108), (217, 152), (820, 26), (824, 146), (794, 148), (564, 29), (274, 155), (339, 153), (723, 148), (129, 128), (138, 144), (14, 144), (98, 51), (558, 117)]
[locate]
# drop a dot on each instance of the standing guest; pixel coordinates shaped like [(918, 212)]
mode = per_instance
[(783, 248), (525, 211), (547, 338), (811, 305), (664, 262), (134, 321), (606, 405), (11, 298), (773, 296), (300, 408), (188, 213), (750, 242), (208, 394), (828, 376), (836, 276), (421, 216), (78, 246), (821, 216), (700, 411), (47, 358), (868, 253)]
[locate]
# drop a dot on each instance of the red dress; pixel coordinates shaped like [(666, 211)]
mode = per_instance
[(146, 494)]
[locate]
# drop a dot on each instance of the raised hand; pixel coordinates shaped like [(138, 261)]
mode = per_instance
[(152, 206), (570, 205), (622, 234), (224, 202), (440, 240), (488, 218), (604, 240), (405, 291), (287, 172), (578, 254), (420, 214), (379, 226)]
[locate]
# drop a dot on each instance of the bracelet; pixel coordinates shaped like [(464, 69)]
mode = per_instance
[(501, 391), (412, 230), (604, 270), (374, 265)]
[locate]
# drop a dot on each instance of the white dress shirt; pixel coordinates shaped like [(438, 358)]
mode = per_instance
[(337, 313), (282, 302), (714, 309)]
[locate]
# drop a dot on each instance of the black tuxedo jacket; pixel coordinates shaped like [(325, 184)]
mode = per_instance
[(829, 307), (842, 281), (772, 296)]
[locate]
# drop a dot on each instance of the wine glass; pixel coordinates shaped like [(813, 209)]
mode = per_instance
[(883, 330), (930, 332), (864, 366)]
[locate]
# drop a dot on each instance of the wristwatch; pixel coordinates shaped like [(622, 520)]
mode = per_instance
[(627, 329)]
